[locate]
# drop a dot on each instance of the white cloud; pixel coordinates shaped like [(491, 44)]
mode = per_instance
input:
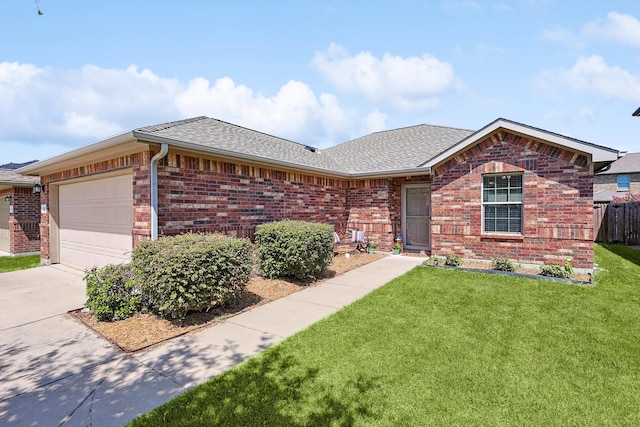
[(294, 112), (617, 27), (88, 103), (411, 83), (375, 122), (66, 108), (593, 75)]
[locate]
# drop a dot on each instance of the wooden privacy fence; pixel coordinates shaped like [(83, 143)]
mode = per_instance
[(617, 223)]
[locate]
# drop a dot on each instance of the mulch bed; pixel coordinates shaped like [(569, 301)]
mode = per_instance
[(145, 330)]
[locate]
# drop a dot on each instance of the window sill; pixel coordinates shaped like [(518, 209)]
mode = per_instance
[(512, 237)]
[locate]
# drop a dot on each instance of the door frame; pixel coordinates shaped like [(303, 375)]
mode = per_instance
[(405, 186)]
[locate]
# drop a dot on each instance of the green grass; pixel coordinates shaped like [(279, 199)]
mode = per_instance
[(442, 347), (12, 263)]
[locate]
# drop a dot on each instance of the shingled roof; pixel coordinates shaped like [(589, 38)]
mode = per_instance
[(9, 177), (378, 152), (629, 163), (226, 137), (395, 149)]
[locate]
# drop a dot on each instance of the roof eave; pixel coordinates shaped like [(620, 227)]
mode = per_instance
[(38, 167), (394, 173), (598, 153)]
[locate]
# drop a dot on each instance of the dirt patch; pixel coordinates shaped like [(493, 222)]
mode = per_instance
[(144, 330)]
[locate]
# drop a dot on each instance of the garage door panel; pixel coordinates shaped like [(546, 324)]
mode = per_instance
[(96, 218)]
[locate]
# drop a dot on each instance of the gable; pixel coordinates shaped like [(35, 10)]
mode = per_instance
[(522, 153), (594, 153)]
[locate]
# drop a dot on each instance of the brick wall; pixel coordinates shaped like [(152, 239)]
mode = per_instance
[(558, 191), (202, 194), (24, 223), (370, 207)]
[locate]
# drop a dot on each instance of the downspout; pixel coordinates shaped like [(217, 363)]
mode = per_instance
[(164, 149)]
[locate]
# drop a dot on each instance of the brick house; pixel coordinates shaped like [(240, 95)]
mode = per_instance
[(617, 179), (507, 190), (19, 214)]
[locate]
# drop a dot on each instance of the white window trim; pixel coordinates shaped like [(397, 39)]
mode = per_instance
[(483, 204)]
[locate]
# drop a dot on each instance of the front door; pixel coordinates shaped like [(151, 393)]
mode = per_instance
[(416, 216)]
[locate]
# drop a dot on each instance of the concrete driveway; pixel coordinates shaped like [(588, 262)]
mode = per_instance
[(38, 293), (55, 371)]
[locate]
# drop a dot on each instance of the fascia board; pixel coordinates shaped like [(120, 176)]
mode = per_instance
[(598, 154), (71, 157)]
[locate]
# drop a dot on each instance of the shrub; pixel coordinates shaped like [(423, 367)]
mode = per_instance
[(554, 271), (453, 260), (297, 249), (191, 272), (111, 292), (503, 264)]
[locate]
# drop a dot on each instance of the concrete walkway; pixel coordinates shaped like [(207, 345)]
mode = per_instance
[(54, 371)]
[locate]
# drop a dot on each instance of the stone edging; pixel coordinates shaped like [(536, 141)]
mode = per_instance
[(514, 274)]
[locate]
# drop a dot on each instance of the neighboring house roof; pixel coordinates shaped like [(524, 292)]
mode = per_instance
[(629, 163), (399, 152), (637, 112), (405, 148), (10, 178), (16, 165), (598, 152)]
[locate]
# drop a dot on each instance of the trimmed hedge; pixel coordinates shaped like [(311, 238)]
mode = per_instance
[(191, 272), (297, 249), (111, 292)]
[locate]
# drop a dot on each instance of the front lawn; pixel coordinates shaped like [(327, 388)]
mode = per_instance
[(12, 263), (443, 347)]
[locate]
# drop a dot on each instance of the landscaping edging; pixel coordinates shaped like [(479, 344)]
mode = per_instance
[(526, 276)]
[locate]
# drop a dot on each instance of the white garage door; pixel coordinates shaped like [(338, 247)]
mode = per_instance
[(4, 224), (96, 219)]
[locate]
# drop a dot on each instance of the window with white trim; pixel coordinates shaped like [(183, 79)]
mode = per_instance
[(624, 182), (502, 207)]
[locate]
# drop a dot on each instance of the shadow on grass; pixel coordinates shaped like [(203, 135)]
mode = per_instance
[(631, 254), (273, 389)]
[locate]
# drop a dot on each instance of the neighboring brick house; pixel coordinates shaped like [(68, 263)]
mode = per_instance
[(19, 214), (617, 179), (507, 190)]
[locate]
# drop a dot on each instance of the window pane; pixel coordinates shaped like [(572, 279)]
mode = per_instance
[(503, 218), (516, 195), (502, 195), (623, 182), (516, 180)]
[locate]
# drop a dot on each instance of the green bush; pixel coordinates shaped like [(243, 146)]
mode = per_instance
[(111, 292), (453, 260), (297, 249), (554, 271), (191, 272), (503, 264)]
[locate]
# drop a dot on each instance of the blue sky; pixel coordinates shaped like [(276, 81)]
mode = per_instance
[(316, 72)]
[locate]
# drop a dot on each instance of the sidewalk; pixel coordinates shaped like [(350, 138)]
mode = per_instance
[(72, 377)]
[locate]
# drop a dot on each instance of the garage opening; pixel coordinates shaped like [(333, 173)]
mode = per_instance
[(96, 222)]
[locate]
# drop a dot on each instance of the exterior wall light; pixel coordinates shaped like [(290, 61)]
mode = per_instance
[(38, 187)]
